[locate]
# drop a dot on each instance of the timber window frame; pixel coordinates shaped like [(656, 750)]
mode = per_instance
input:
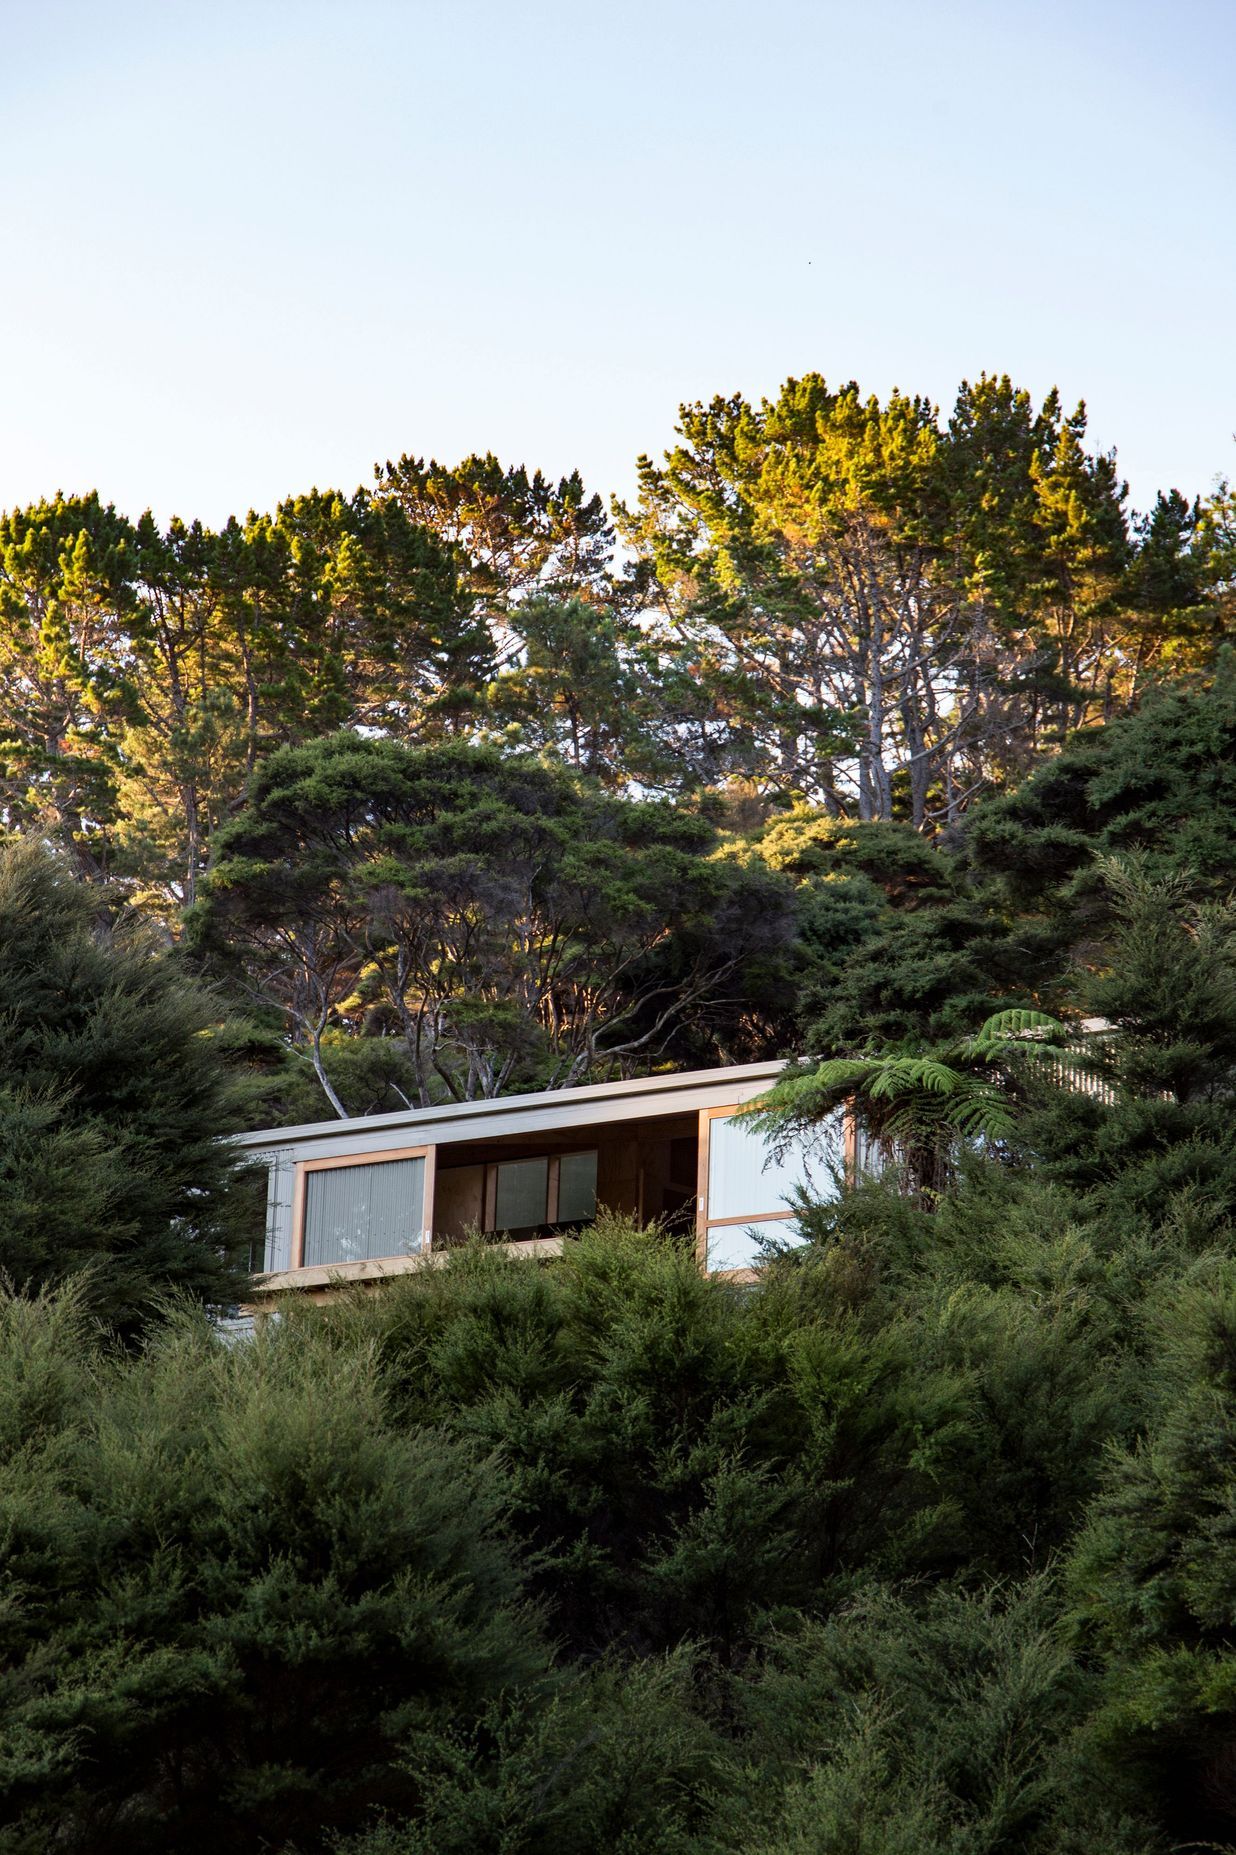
[(492, 1225), (704, 1222), (358, 1160), (552, 1161)]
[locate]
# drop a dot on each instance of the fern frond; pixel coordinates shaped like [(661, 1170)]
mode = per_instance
[(1016, 1022), (901, 1074), (983, 1116)]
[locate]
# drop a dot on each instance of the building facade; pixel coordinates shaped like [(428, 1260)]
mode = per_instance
[(360, 1200)]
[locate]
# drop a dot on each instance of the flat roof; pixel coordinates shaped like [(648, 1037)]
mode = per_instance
[(644, 1095)]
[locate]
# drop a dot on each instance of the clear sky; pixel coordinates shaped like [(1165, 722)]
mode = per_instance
[(254, 247)]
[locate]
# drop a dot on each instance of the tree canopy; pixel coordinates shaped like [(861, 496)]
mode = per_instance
[(860, 604), (506, 922)]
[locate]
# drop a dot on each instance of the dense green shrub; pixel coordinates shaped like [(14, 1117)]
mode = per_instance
[(591, 1554), (233, 1589), (934, 1724), (113, 1098), (1153, 1575), (685, 1457)]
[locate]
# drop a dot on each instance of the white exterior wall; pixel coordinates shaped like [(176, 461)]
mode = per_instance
[(751, 1188), (279, 1181)]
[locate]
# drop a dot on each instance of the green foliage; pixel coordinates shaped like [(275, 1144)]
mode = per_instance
[(1162, 781), (515, 533), (1020, 1312), (66, 689), (937, 1726), (930, 974), (1154, 1579), (505, 921), (112, 1106), (587, 686), (1018, 912), (920, 1543), (658, 1430), (304, 1588), (142, 672), (853, 884), (1159, 1133), (233, 1588), (891, 613), (617, 1759), (916, 1107), (687, 1458), (825, 596)]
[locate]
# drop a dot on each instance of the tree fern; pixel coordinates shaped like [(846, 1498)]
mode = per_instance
[(919, 1106)]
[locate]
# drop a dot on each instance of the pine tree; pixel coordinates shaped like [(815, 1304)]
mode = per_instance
[(113, 1106)]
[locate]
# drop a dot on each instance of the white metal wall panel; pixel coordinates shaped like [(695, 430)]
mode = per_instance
[(279, 1185), (746, 1178)]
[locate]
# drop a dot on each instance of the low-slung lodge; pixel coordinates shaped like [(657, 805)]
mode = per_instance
[(359, 1200)]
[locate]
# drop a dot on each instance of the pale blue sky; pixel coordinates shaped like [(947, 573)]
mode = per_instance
[(254, 247)]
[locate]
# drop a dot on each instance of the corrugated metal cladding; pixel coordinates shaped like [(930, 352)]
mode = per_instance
[(279, 1186)]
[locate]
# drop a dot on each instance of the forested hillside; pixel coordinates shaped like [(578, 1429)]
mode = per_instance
[(892, 744), (871, 607), (598, 754)]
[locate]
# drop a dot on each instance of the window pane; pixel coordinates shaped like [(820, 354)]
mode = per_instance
[(523, 1186), (745, 1180), (577, 1188), (737, 1246), (353, 1213)]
